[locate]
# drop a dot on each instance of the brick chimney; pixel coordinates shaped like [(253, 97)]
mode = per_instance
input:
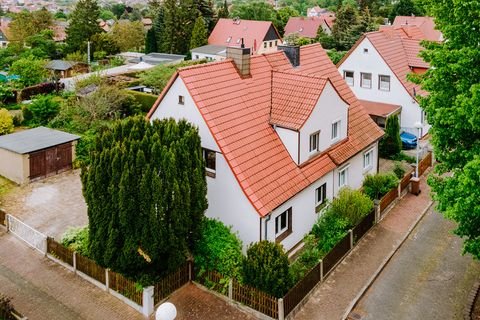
[(241, 58), (292, 53)]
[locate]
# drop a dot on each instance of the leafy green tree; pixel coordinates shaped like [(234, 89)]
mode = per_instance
[(26, 24), (104, 42), (335, 55), (324, 39), (146, 193), (128, 35), (199, 34), (151, 41), (60, 15), (282, 16), (261, 11), (178, 21), (30, 70), (158, 26), (391, 145), (6, 122), (351, 205), (43, 109), (296, 39), (345, 30), (223, 11), (118, 9), (83, 24), (266, 267), (405, 8), (43, 46), (377, 185), (106, 14), (452, 111)]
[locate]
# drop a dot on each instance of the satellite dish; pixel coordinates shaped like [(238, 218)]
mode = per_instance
[(166, 311)]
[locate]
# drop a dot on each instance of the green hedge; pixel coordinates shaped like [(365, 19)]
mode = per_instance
[(146, 100)]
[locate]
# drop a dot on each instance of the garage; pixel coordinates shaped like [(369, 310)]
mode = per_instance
[(36, 153)]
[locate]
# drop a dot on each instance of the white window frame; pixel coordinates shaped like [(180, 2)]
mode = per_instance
[(362, 80), (344, 172), (211, 172), (282, 233), (346, 78), (368, 155), (322, 191), (316, 142), (338, 125), (380, 82)]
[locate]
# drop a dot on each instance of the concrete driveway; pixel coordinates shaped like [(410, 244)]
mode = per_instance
[(50, 205), (428, 278)]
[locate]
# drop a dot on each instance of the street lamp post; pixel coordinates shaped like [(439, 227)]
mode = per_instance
[(418, 126)]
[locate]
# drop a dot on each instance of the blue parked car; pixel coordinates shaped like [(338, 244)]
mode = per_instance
[(409, 141)]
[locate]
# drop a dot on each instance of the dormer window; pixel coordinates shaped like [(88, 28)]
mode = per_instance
[(229, 39), (336, 130), (314, 142), (238, 40)]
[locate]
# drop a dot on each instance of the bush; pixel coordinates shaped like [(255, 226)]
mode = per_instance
[(76, 238), (6, 308), (377, 185), (329, 229), (391, 144), (402, 156), (266, 267), (6, 122), (144, 99), (43, 109), (352, 205), (42, 88), (218, 249), (308, 258), (398, 170)]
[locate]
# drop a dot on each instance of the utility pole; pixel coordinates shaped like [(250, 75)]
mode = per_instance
[(88, 55)]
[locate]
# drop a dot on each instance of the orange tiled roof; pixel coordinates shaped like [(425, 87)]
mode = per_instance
[(252, 32), (379, 109), (425, 25), (237, 112), (308, 27)]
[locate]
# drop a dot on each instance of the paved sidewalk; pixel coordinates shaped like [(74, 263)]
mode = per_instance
[(43, 290), (331, 299)]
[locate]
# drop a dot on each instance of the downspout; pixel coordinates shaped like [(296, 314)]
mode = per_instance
[(266, 219)]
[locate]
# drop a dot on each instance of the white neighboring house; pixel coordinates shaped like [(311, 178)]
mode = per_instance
[(210, 52), (376, 69), (280, 137)]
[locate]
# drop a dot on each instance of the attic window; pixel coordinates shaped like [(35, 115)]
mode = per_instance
[(229, 39), (314, 141), (210, 163), (300, 30), (365, 50), (238, 40), (181, 100)]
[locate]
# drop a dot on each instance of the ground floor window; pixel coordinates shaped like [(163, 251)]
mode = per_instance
[(283, 225)]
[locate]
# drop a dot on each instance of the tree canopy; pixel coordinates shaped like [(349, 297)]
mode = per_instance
[(128, 35), (83, 24), (452, 110), (199, 34), (146, 194)]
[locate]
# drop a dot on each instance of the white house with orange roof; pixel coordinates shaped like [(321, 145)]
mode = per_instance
[(425, 25), (281, 132), (259, 36), (376, 69)]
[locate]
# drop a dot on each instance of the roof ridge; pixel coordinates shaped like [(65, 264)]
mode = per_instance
[(311, 76), (199, 65)]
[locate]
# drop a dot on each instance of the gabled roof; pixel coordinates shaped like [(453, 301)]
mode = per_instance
[(237, 113), (425, 25), (399, 52), (306, 27), (380, 109), (60, 65), (229, 32)]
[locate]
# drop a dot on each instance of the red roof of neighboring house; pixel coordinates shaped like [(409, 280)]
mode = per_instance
[(308, 27), (380, 109), (229, 32), (425, 25), (237, 112)]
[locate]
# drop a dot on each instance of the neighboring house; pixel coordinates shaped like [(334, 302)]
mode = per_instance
[(36, 153), (3, 39), (4, 22), (281, 134), (308, 27), (66, 69), (317, 11), (258, 36), (376, 69), (423, 27), (155, 58), (210, 52), (147, 23)]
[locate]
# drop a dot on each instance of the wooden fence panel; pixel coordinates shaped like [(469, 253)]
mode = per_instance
[(336, 254), (172, 282), (425, 164), (60, 252), (213, 280), (295, 295), (3, 218), (363, 226), (388, 199), (406, 180), (90, 268), (125, 287), (255, 299)]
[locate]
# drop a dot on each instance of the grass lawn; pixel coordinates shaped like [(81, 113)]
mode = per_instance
[(5, 186)]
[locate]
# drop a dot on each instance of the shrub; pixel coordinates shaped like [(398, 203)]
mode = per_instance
[(266, 267), (144, 99), (218, 249), (398, 170), (42, 88), (377, 185), (391, 144), (308, 258), (351, 205), (329, 229), (76, 238), (6, 308), (6, 122), (402, 156), (43, 109), (27, 114)]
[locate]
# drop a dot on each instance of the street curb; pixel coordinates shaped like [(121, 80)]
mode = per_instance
[(384, 263)]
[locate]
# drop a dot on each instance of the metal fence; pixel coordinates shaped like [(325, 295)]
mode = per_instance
[(31, 236)]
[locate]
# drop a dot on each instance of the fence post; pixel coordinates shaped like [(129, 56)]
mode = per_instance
[(376, 203), (399, 189), (230, 288), (75, 262), (351, 238), (107, 280), (281, 313), (321, 270), (7, 223), (148, 304), (46, 246)]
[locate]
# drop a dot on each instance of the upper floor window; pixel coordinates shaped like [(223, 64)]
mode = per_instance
[(210, 162), (321, 194), (276, 43), (348, 76), (314, 141), (368, 160), (336, 130), (264, 45), (181, 100), (283, 224), (343, 177), (384, 83), (270, 43), (366, 80)]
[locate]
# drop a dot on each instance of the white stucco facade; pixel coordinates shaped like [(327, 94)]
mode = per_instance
[(366, 59), (206, 56)]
